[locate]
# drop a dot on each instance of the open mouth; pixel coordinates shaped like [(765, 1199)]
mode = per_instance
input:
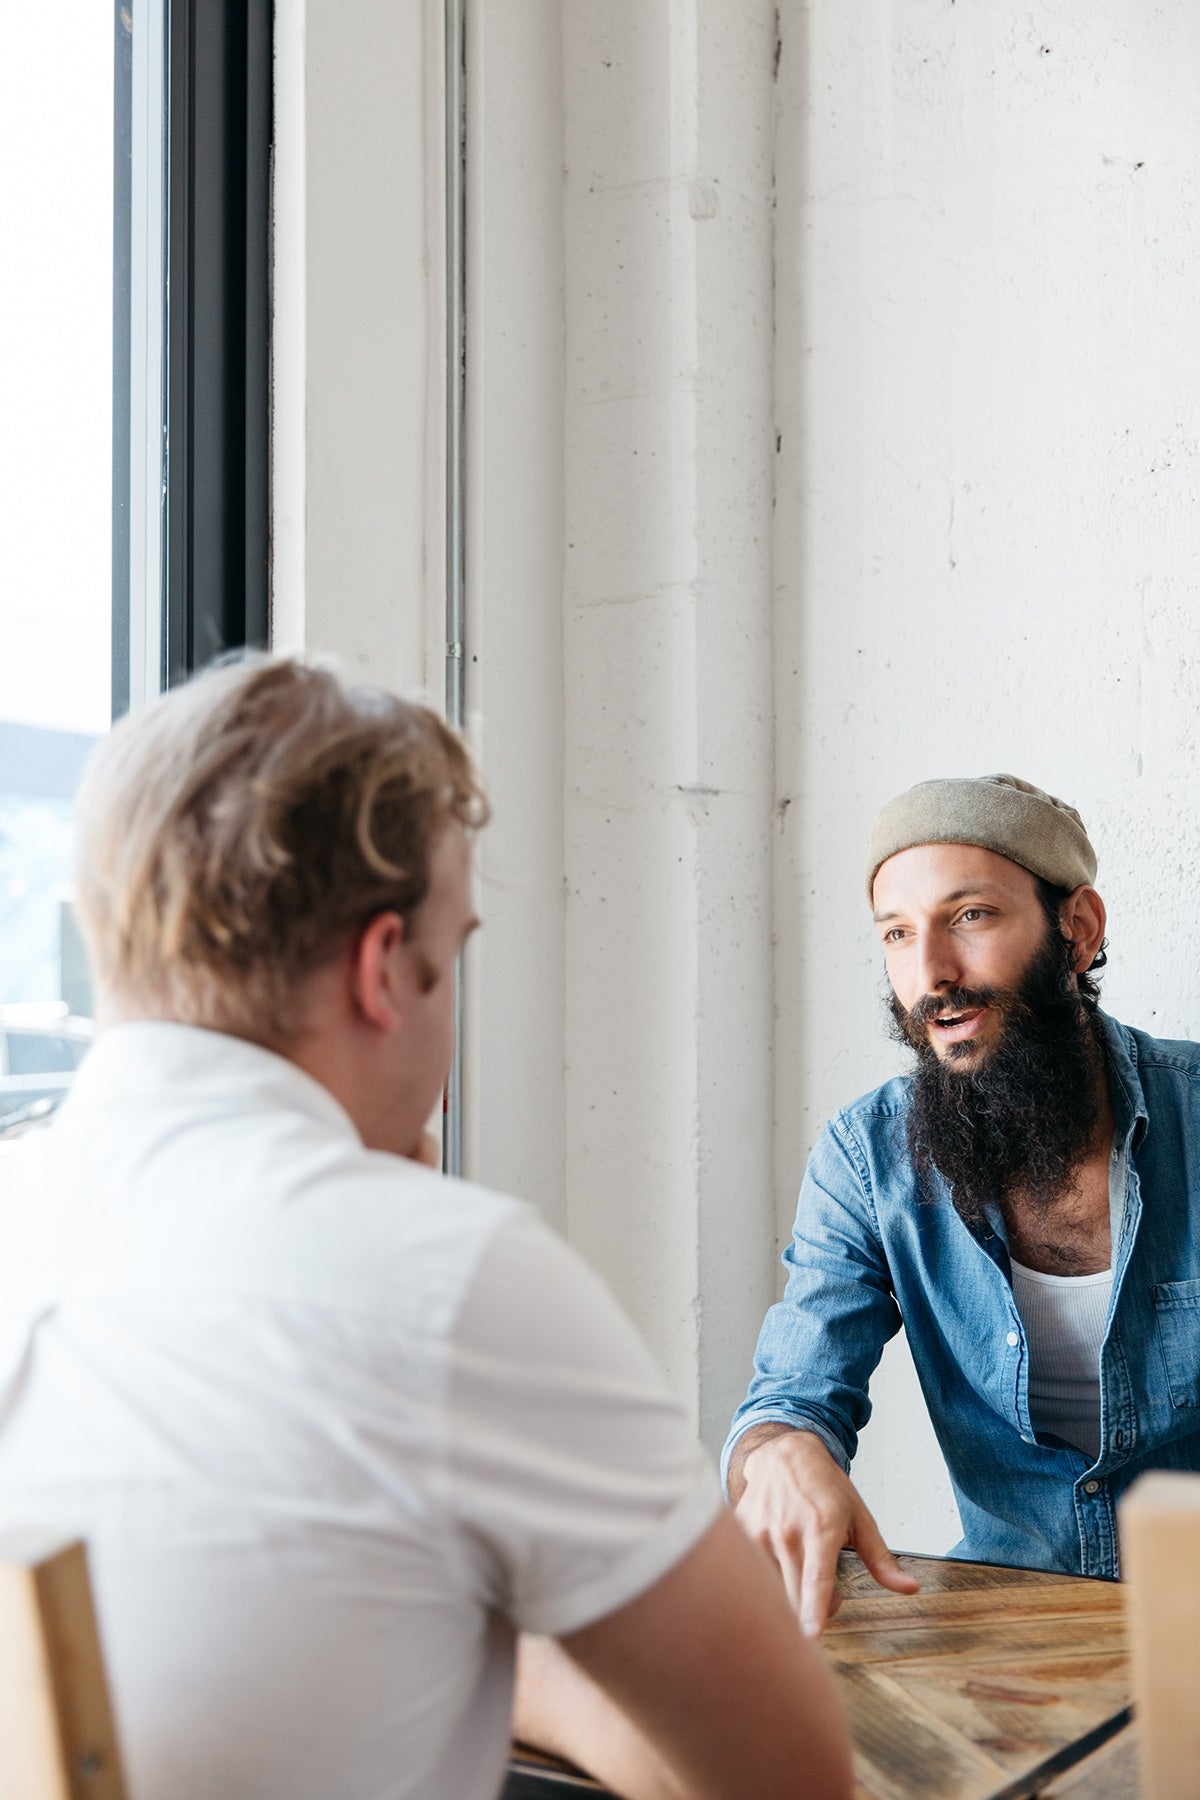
[(952, 1027)]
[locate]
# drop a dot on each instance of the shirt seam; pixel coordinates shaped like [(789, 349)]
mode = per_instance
[(848, 1139), (673, 1536)]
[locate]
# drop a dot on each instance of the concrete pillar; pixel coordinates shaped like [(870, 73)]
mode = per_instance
[(667, 654), (515, 1053)]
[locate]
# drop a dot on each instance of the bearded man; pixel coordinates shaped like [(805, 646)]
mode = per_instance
[(1024, 1203)]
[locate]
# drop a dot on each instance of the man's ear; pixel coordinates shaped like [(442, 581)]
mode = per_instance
[(1083, 922), (375, 969)]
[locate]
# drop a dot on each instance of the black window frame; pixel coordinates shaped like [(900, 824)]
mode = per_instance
[(217, 165)]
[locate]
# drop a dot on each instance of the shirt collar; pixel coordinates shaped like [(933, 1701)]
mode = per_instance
[(160, 1062)]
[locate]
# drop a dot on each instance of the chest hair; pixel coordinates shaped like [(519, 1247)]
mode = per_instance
[(1071, 1236)]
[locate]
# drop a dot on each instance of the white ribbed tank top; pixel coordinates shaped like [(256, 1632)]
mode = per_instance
[(1065, 1317)]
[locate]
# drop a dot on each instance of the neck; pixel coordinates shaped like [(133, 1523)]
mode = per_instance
[(347, 1063)]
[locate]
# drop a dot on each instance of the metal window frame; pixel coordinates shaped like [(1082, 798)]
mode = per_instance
[(455, 150), (191, 337), (122, 354)]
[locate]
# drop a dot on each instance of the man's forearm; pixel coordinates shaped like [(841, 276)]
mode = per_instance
[(557, 1708), (723, 1696)]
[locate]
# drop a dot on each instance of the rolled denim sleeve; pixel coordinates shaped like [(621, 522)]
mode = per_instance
[(821, 1343)]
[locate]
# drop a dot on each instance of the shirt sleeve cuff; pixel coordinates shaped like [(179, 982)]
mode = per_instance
[(798, 1422), (677, 1532)]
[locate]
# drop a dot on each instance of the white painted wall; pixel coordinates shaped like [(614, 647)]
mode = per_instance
[(667, 672), (619, 593), (357, 472), (514, 1077), (987, 549)]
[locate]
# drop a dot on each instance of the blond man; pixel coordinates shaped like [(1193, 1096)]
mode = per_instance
[(335, 1428)]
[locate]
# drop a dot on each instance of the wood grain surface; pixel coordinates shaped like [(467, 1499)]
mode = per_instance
[(990, 1684)]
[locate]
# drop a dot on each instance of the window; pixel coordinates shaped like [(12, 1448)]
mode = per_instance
[(56, 131), (134, 158)]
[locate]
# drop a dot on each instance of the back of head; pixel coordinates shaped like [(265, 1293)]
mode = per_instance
[(237, 833)]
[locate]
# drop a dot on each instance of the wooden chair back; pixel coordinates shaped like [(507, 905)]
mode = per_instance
[(57, 1740), (1160, 1564)]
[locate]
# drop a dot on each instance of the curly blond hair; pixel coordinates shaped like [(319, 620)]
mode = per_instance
[(237, 833)]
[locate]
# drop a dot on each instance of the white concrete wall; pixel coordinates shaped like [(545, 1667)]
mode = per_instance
[(987, 549), (619, 594), (514, 1114), (667, 670)]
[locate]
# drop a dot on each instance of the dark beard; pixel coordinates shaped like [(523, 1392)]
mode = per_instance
[(1019, 1118)]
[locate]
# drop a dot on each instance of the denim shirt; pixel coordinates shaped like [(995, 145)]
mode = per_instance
[(868, 1253)]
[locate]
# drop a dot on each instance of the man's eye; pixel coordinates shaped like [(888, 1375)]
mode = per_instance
[(972, 912), (894, 935)]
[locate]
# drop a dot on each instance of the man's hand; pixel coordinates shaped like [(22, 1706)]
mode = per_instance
[(802, 1509)]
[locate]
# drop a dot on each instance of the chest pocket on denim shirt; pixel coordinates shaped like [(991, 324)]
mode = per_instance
[(1177, 1309)]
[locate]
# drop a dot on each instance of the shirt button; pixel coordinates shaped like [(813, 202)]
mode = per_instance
[(1025, 1439), (1012, 1340), (1091, 1487)]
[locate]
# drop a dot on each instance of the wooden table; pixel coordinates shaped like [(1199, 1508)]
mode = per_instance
[(990, 1684)]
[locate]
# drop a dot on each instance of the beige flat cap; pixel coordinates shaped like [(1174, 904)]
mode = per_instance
[(997, 812)]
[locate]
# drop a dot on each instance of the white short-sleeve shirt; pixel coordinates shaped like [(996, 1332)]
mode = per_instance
[(333, 1427)]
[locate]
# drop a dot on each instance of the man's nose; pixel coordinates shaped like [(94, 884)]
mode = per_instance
[(938, 965)]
